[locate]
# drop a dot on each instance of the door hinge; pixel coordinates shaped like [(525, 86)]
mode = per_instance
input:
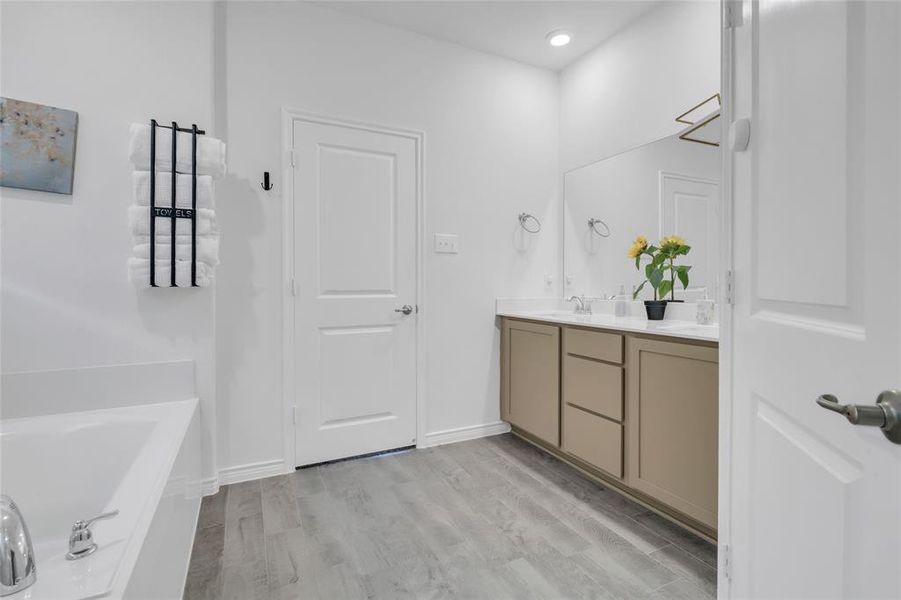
[(730, 287), (292, 159), (732, 14), (294, 414), (727, 560), (293, 289)]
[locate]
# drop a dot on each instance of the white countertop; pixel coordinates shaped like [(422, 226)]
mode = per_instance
[(676, 328)]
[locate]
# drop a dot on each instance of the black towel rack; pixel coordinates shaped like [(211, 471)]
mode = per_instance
[(173, 213)]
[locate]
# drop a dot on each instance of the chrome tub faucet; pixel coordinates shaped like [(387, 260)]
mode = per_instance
[(17, 566), (81, 539)]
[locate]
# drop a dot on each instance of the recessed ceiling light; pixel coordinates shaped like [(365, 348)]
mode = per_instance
[(559, 38)]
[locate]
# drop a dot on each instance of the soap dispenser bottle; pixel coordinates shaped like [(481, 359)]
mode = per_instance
[(705, 307), (620, 308)]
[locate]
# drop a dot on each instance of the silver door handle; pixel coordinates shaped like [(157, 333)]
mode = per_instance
[(406, 309), (886, 414)]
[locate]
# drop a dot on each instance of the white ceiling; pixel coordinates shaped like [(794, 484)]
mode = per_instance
[(511, 28)]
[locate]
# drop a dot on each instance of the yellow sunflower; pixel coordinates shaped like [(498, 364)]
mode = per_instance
[(638, 246), (672, 240)]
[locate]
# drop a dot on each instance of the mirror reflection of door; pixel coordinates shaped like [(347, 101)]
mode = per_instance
[(689, 207)]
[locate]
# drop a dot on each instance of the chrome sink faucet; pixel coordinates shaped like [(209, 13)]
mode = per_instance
[(17, 566), (583, 305)]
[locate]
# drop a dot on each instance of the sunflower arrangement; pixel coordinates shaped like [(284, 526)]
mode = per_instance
[(663, 261)]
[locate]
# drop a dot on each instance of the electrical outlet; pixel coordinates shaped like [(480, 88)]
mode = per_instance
[(447, 243)]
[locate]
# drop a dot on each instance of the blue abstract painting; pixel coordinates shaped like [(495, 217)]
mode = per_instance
[(37, 146)]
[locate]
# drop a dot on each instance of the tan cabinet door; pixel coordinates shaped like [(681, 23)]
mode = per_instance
[(672, 424), (531, 378)]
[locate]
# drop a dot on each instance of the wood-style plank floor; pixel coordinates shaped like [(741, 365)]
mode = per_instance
[(491, 518)]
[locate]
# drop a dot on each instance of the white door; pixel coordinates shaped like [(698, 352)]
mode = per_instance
[(815, 508), (355, 208), (689, 207)]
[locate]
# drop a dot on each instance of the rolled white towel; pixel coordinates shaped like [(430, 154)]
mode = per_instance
[(207, 250), (139, 220), (210, 151), (163, 193), (139, 273), (180, 239)]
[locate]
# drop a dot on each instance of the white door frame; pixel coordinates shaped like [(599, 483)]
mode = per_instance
[(724, 304), (289, 116)]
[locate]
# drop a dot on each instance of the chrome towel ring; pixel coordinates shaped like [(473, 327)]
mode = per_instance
[(523, 220), (593, 225)]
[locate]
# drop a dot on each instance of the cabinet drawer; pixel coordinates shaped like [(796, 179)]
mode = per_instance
[(595, 440), (593, 344), (594, 386)]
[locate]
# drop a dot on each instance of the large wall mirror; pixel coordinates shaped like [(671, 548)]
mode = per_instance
[(668, 187)]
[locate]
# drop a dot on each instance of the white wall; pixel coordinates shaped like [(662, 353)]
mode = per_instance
[(628, 91), (66, 299), (491, 151)]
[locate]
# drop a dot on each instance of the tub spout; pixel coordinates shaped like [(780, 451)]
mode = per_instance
[(17, 566)]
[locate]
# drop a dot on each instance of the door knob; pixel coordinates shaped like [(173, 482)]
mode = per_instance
[(406, 309), (886, 414)]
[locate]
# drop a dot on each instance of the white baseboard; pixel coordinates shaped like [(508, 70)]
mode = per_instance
[(461, 434), (251, 471), (271, 468), (209, 486)]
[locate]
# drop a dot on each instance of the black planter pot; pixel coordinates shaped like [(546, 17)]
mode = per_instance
[(655, 309)]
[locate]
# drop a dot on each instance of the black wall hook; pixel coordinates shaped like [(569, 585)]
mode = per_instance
[(266, 185)]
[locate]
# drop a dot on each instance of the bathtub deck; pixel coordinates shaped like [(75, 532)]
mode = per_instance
[(490, 518)]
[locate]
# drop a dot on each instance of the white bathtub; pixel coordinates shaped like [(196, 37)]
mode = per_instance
[(142, 460)]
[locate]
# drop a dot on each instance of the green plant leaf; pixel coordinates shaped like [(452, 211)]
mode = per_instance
[(655, 277), (638, 262), (682, 273), (638, 289), (665, 286), (648, 269)]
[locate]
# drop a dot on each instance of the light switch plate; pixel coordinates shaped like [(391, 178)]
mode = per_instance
[(447, 243)]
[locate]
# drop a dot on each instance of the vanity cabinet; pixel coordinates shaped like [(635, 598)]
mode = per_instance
[(530, 376), (635, 410), (673, 408)]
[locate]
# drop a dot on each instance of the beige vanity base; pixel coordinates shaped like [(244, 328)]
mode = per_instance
[(635, 412), (617, 485)]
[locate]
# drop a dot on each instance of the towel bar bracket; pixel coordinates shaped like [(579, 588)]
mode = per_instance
[(181, 129)]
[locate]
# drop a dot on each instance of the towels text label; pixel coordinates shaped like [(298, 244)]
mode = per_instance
[(179, 213)]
